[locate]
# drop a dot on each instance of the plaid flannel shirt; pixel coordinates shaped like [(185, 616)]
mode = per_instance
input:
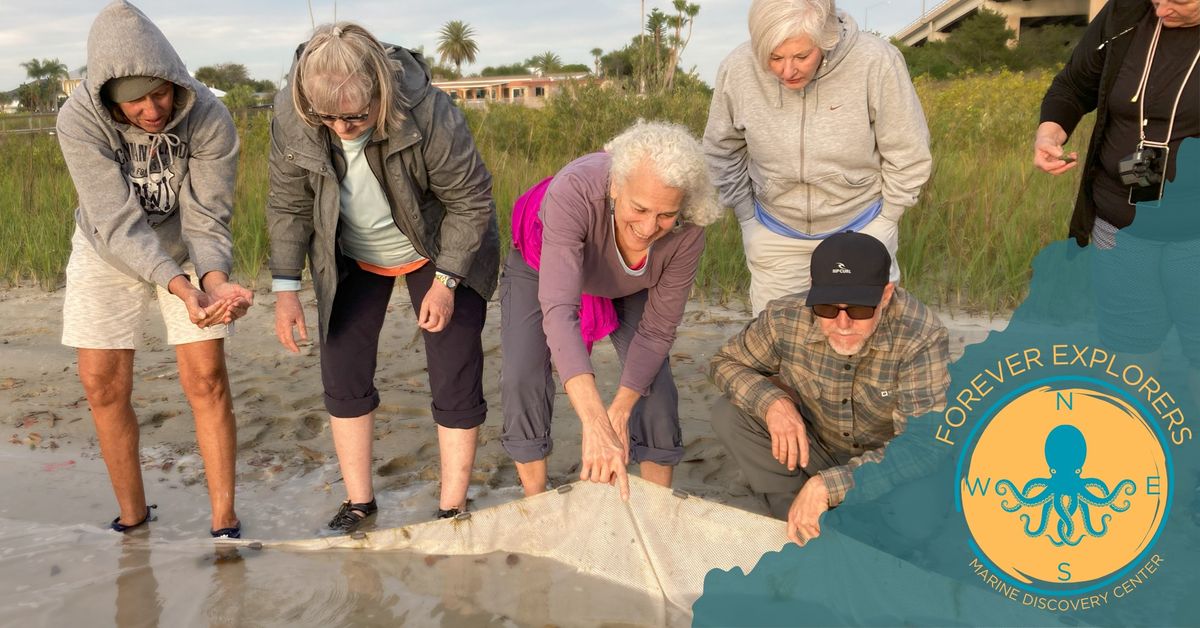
[(853, 405)]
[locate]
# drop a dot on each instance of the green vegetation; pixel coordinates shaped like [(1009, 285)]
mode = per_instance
[(41, 92), (968, 243), (980, 44), (986, 211), (229, 76), (512, 69), (37, 204)]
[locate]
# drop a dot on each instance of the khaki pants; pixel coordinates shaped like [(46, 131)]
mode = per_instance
[(779, 265), (748, 442)]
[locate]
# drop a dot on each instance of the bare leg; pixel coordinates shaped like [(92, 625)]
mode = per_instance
[(457, 448), (205, 382), (352, 439), (107, 377), (657, 473), (533, 476)]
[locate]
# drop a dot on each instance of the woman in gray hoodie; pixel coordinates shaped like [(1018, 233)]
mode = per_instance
[(154, 156), (814, 128)]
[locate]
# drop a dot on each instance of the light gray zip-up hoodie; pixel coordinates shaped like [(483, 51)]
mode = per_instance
[(149, 201), (817, 157)]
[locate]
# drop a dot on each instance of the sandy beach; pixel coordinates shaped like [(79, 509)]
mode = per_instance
[(282, 424), (288, 480)]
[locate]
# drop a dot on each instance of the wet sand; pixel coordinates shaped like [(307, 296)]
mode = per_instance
[(57, 499), (57, 574)]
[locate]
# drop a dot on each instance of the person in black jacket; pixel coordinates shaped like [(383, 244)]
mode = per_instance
[(1107, 51), (1137, 67)]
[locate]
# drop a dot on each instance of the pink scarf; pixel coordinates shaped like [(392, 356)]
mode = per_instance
[(597, 316)]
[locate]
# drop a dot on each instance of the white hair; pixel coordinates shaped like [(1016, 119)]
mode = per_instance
[(675, 157), (773, 22)]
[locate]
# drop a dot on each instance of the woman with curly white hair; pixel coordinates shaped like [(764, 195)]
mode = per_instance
[(609, 245), (814, 129)]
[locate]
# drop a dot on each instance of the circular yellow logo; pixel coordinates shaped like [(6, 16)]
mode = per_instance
[(1064, 485)]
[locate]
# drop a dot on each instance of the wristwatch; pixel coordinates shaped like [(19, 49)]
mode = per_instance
[(450, 281)]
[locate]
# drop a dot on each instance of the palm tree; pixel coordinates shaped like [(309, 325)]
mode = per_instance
[(656, 26), (456, 42), (545, 63), (642, 49), (596, 54), (44, 74), (685, 16)]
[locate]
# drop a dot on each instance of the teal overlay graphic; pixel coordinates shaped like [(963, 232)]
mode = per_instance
[(1059, 485)]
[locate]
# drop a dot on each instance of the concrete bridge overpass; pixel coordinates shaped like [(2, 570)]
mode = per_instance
[(943, 17)]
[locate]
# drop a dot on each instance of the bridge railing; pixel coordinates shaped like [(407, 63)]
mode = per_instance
[(937, 8)]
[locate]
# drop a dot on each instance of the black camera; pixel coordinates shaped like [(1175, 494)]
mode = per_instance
[(1144, 168)]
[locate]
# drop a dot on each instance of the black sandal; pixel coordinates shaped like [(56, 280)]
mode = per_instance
[(448, 513), (228, 533), (117, 526), (350, 516)]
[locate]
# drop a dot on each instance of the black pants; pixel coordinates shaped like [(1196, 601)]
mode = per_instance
[(454, 356)]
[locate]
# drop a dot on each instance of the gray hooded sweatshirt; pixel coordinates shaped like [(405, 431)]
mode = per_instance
[(149, 201), (817, 157)]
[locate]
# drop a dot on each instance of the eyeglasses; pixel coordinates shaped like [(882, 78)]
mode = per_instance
[(855, 312), (352, 119)]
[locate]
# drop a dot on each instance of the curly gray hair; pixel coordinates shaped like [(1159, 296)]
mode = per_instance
[(676, 158), (773, 22)]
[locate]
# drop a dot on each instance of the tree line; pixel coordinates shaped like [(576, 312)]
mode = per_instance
[(649, 62), (981, 44)]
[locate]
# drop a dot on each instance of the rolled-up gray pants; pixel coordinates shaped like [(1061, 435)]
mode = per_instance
[(527, 384), (748, 442)]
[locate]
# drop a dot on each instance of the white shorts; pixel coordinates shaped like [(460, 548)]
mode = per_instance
[(106, 309), (779, 265)]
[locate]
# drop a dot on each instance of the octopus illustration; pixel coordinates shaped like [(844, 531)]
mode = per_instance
[(1066, 490)]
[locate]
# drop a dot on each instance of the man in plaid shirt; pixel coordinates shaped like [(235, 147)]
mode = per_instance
[(861, 356)]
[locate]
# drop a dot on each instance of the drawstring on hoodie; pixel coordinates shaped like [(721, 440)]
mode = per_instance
[(172, 141)]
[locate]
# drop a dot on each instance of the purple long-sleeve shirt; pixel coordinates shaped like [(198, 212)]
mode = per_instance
[(579, 255)]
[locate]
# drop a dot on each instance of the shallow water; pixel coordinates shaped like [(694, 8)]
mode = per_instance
[(54, 572)]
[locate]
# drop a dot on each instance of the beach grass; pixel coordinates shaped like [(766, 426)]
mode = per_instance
[(968, 243)]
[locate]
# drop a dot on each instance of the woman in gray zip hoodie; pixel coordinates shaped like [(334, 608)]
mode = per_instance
[(814, 128), (154, 156)]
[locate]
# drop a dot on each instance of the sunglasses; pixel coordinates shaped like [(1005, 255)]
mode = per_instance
[(352, 119), (855, 312)]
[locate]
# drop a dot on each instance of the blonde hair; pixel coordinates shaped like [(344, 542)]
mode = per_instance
[(773, 22), (344, 63), (675, 157)]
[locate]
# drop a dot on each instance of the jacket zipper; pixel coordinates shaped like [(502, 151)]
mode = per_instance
[(1110, 39), (803, 171)]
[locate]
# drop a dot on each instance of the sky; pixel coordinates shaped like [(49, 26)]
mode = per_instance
[(261, 34)]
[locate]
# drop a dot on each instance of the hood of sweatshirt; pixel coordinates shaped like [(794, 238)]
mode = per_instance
[(133, 219), (846, 38), (124, 42)]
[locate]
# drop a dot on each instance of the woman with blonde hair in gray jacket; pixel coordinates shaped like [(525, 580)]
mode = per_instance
[(374, 175)]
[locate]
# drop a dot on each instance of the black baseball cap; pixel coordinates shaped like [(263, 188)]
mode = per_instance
[(850, 268)]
